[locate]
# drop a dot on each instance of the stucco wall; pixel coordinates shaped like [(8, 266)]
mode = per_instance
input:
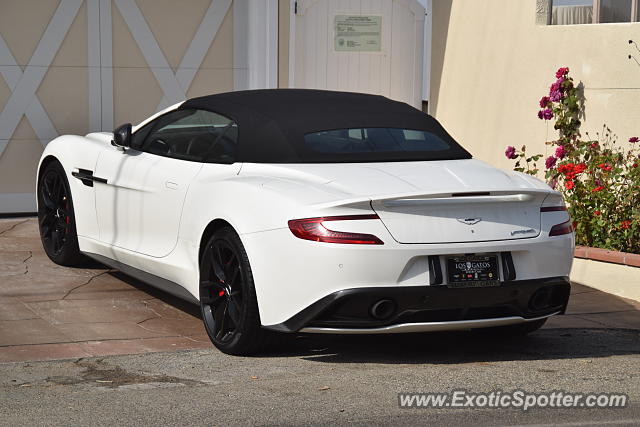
[(491, 63), (621, 280)]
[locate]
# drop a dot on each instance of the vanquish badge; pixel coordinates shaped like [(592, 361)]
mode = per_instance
[(526, 231)]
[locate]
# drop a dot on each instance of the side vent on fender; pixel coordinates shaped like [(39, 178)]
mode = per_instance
[(87, 178)]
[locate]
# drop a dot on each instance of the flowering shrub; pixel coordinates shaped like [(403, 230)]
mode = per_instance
[(599, 179)]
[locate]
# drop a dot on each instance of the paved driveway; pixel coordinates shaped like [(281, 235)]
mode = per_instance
[(52, 312), (48, 312)]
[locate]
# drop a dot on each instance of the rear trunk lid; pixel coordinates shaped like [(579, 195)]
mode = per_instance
[(459, 217)]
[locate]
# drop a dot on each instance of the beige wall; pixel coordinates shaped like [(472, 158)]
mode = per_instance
[(491, 64), (21, 26), (621, 280), (136, 93), (64, 90)]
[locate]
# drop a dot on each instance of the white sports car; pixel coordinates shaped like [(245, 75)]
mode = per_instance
[(309, 211)]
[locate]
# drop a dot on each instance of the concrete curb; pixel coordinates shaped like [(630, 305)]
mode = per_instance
[(605, 255), (613, 272)]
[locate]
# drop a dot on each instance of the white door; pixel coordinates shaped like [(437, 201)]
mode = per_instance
[(370, 46), (140, 206)]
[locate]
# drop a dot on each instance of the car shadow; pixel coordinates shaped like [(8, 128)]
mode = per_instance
[(464, 346), (91, 264), (439, 347), (180, 304)]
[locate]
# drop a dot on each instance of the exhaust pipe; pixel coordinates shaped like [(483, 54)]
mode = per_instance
[(383, 309), (541, 299)]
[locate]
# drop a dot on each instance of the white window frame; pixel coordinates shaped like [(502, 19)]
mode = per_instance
[(596, 11)]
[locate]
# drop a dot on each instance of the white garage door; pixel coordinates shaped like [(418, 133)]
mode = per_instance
[(372, 46), (76, 66)]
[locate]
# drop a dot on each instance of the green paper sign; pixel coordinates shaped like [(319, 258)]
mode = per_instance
[(357, 33)]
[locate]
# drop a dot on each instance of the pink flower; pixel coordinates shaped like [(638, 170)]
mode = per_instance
[(556, 96), (563, 71), (633, 139), (561, 152), (546, 114), (510, 152), (555, 91), (544, 102), (550, 162)]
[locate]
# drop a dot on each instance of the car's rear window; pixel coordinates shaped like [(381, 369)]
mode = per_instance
[(375, 140)]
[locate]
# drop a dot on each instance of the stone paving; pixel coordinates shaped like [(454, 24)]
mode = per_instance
[(50, 312)]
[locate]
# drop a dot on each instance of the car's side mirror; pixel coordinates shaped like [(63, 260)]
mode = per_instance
[(122, 136)]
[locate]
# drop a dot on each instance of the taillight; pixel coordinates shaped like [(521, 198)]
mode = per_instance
[(560, 229), (314, 229)]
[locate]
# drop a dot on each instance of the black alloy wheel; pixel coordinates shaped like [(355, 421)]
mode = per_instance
[(223, 304), (227, 296), (56, 218)]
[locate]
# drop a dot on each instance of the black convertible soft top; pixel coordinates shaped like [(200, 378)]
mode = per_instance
[(272, 123)]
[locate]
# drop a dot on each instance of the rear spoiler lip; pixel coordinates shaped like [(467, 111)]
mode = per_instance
[(521, 197), (420, 198)]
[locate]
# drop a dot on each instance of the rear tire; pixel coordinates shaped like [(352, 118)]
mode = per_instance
[(56, 218), (228, 298)]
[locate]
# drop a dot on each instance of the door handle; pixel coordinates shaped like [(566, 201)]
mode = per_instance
[(171, 185)]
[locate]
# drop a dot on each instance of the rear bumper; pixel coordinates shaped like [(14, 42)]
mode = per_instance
[(431, 308), (292, 274), (426, 326)]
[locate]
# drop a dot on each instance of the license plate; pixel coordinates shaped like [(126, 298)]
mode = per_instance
[(470, 271)]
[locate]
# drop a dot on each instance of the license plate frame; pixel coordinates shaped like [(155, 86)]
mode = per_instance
[(472, 271)]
